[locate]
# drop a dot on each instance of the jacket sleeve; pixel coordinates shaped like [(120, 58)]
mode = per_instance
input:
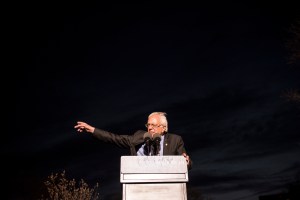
[(123, 141), (181, 149)]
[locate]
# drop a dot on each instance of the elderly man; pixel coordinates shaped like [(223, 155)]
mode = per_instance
[(161, 142)]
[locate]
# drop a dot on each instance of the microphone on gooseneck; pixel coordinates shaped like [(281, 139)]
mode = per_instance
[(147, 138), (148, 142), (156, 142)]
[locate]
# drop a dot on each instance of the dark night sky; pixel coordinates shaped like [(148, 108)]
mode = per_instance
[(218, 69)]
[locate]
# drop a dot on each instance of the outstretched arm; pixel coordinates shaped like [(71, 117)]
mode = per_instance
[(123, 141)]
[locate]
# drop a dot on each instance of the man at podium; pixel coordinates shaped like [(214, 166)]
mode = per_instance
[(156, 141)]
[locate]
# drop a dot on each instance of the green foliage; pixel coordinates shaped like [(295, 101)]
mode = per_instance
[(293, 47), (60, 188), (293, 43)]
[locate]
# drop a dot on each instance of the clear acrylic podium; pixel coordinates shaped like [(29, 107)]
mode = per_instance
[(153, 177)]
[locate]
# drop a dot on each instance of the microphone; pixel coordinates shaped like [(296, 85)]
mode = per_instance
[(156, 141), (148, 141), (147, 138), (157, 138)]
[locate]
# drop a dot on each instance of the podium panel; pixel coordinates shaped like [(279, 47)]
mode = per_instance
[(150, 191), (158, 177)]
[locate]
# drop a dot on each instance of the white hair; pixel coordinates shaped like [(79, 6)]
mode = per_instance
[(163, 118)]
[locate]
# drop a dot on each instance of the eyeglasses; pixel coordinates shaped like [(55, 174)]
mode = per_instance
[(153, 125)]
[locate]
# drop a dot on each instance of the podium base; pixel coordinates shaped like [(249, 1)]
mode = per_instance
[(150, 191)]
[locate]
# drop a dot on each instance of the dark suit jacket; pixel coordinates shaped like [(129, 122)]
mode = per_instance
[(173, 144)]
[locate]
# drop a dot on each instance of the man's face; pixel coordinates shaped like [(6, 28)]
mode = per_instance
[(154, 125)]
